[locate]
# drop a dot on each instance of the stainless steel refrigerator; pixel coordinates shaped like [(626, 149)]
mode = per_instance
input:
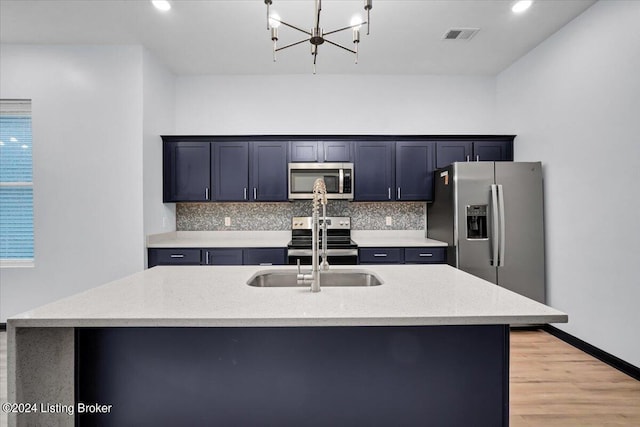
[(491, 216)]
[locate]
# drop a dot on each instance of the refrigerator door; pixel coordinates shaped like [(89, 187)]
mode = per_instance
[(474, 251), (522, 265)]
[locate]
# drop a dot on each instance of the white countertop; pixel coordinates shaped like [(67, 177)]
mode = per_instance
[(220, 239), (202, 296), (393, 238), (280, 239)]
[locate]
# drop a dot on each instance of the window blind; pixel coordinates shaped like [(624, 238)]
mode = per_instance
[(16, 181)]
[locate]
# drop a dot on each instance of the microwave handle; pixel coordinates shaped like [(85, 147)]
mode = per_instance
[(341, 181)]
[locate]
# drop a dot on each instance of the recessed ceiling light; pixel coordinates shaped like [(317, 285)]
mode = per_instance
[(162, 5), (521, 6)]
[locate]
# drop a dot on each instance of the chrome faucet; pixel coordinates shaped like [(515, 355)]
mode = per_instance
[(319, 197)]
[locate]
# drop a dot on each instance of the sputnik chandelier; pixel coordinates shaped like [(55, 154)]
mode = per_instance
[(316, 36)]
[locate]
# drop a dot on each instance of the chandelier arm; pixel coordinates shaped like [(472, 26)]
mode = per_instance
[(345, 28), (292, 26), (292, 44), (340, 46)]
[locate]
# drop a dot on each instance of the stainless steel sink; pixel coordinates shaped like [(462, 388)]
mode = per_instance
[(288, 278)]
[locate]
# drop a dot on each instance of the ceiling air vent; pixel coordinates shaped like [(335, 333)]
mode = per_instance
[(460, 33)]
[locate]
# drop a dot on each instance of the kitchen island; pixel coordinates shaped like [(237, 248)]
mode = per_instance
[(195, 345)]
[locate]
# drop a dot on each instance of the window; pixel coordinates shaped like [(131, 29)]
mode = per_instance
[(16, 184)]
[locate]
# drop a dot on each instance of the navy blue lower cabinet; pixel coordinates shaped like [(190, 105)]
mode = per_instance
[(222, 256), (338, 376), (381, 255), (425, 255), (179, 256), (265, 256)]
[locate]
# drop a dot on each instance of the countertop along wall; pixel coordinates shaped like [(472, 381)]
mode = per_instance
[(574, 102)]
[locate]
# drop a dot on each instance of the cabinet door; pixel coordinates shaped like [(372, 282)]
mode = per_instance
[(216, 256), (493, 151), (231, 171), (336, 151), (448, 152), (415, 164), (268, 178), (179, 256), (381, 256), (265, 256), (187, 169), (304, 151), (374, 170)]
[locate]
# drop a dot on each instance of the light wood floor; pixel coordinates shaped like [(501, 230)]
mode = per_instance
[(552, 384)]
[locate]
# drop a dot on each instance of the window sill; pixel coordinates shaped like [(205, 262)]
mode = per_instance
[(17, 263)]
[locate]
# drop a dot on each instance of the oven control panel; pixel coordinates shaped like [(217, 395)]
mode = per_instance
[(333, 222)]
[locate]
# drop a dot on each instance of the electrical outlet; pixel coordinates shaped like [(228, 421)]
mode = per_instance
[(227, 221), (389, 221)]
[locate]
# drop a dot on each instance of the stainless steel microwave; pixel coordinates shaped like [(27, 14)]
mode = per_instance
[(338, 178)]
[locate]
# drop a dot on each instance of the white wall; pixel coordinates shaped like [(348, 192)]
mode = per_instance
[(87, 159), (158, 119), (574, 102), (334, 104)]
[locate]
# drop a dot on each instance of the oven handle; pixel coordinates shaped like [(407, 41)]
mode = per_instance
[(330, 252)]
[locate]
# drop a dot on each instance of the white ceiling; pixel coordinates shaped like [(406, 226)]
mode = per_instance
[(230, 36)]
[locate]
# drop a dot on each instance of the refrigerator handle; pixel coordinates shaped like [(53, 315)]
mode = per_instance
[(502, 249), (494, 224)]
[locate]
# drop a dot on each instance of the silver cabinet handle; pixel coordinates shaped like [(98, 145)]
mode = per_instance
[(380, 255), (478, 158), (495, 225), (426, 255), (206, 254), (266, 263), (502, 249), (468, 158), (177, 256), (245, 193), (398, 193), (255, 193), (206, 193), (389, 193)]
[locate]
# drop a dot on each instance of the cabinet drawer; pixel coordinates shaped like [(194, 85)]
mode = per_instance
[(424, 255), (265, 256), (215, 256), (381, 256), (174, 257)]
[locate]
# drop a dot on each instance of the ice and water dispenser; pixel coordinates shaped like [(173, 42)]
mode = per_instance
[(477, 222)]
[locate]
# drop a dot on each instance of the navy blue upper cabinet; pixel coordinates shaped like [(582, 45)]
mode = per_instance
[(268, 171), (374, 170), (187, 171), (337, 151), (415, 163), (494, 151), (321, 151), (448, 152), (304, 151), (231, 171)]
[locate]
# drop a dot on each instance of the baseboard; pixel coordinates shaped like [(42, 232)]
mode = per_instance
[(609, 359)]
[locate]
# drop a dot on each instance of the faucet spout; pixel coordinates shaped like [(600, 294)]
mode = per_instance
[(319, 196)]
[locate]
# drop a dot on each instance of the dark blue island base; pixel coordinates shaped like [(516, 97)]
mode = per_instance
[(295, 376)]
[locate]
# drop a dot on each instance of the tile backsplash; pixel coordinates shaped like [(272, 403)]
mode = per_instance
[(277, 216)]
